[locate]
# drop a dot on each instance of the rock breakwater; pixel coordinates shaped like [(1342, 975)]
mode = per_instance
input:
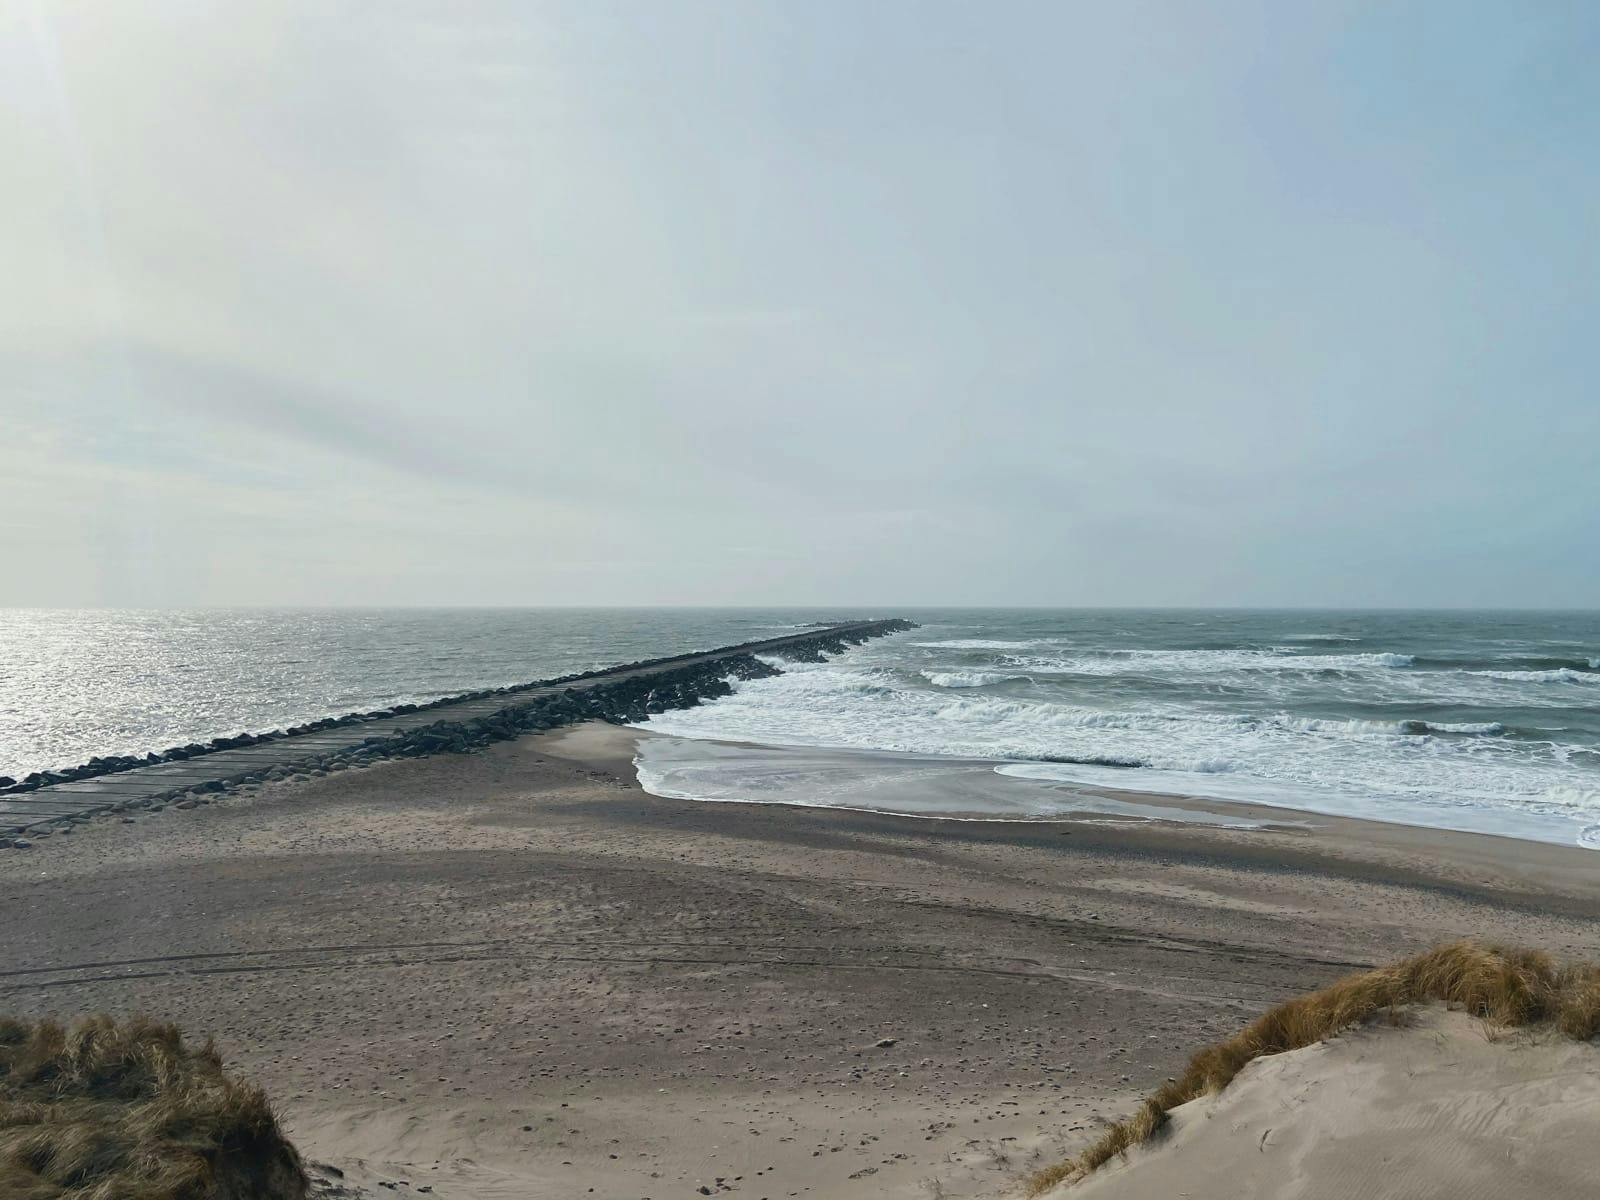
[(624, 694)]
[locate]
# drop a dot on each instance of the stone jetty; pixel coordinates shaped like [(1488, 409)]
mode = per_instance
[(46, 803)]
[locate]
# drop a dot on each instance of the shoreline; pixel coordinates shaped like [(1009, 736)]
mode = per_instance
[(1082, 804), (515, 972)]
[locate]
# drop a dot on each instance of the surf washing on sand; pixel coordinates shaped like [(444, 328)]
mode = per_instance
[(1474, 721)]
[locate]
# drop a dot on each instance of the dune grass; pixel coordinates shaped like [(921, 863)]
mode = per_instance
[(1504, 986), (127, 1111)]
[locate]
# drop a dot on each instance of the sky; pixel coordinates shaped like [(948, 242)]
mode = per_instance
[(460, 302)]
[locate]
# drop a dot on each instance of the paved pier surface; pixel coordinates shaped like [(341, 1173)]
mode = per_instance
[(84, 797)]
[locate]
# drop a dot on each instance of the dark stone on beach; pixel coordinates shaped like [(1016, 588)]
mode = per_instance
[(6, 781)]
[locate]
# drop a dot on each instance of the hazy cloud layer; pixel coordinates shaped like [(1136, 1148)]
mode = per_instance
[(429, 302)]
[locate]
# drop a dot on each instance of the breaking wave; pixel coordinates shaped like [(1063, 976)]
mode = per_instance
[(1557, 675), (1491, 731), (1406, 728), (1115, 662), (968, 679), (983, 644)]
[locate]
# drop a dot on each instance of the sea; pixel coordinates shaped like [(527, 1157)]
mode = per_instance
[(1486, 721)]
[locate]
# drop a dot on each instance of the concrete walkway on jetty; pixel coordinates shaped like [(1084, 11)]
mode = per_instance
[(56, 802)]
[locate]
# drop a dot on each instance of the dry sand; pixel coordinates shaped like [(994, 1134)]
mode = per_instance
[(514, 973), (1438, 1109)]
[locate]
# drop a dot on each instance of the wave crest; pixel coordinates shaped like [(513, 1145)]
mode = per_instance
[(1559, 675), (968, 679)]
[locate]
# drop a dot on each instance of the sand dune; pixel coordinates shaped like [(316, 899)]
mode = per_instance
[(1440, 1107)]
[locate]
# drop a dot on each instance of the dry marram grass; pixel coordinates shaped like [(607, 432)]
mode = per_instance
[(109, 1111), (1504, 986)]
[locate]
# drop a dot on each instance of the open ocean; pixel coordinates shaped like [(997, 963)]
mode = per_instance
[(1464, 720)]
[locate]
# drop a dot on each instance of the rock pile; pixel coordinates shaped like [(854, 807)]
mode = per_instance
[(636, 692)]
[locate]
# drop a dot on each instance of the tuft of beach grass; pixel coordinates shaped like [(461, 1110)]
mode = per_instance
[(1504, 986), (111, 1110)]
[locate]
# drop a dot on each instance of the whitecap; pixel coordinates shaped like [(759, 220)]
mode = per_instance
[(1403, 728), (967, 679), (1202, 662), (1460, 774), (1558, 675), (978, 644)]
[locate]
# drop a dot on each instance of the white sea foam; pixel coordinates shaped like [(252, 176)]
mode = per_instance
[(831, 705), (1192, 662), (1557, 675), (1388, 729), (1465, 773), (1578, 799), (1386, 660), (984, 644), (967, 679), (1291, 678)]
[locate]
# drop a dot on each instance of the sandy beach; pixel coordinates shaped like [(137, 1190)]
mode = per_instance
[(800, 601), (515, 973)]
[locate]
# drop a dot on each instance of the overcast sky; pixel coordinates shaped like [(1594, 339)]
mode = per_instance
[(438, 302)]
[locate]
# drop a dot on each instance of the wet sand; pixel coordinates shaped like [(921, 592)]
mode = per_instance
[(514, 973)]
